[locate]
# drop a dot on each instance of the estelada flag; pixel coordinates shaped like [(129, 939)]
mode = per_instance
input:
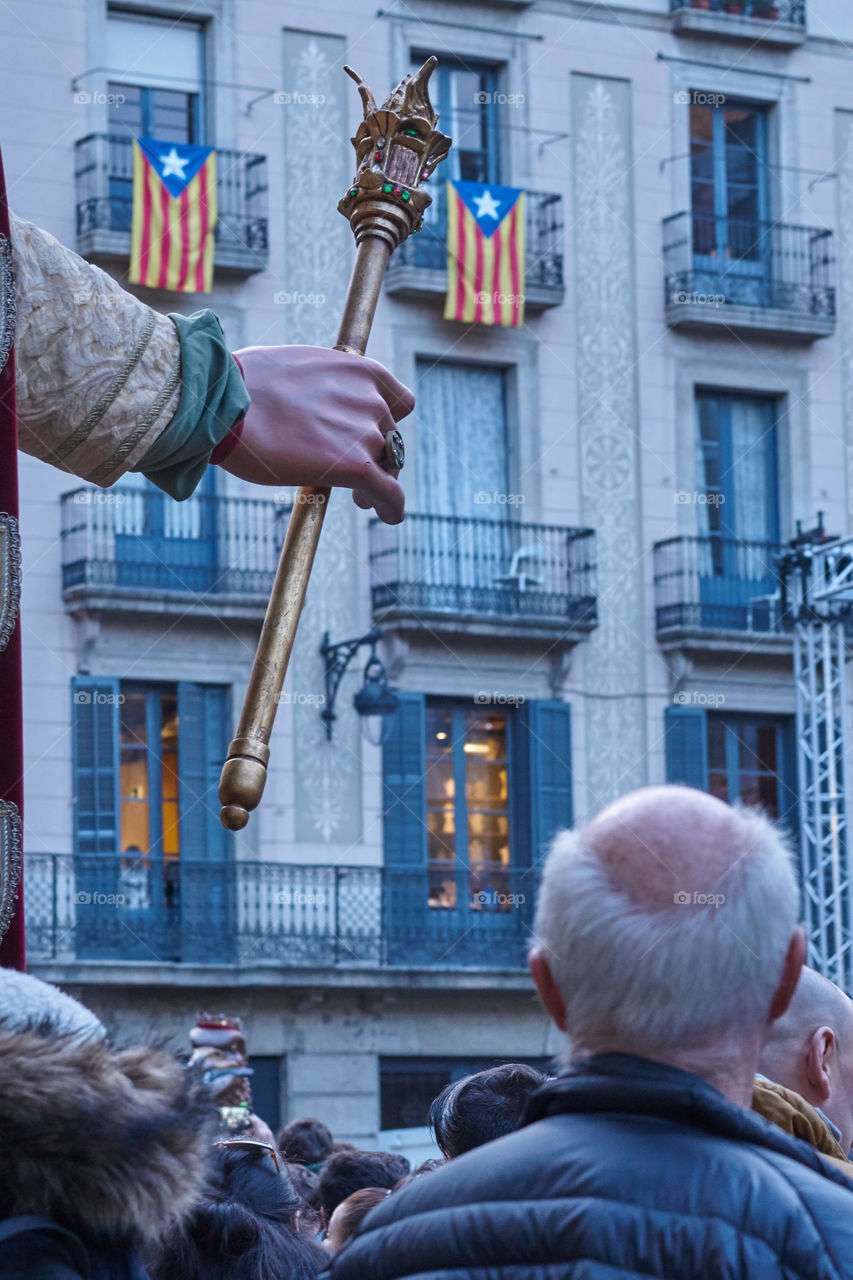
[(174, 213), (485, 253)]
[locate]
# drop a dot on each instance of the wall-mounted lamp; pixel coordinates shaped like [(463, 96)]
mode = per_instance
[(374, 698)]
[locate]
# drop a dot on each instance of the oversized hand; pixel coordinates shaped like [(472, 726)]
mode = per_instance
[(320, 417)]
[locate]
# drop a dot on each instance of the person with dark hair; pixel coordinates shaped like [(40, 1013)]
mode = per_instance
[(245, 1226), (350, 1214), (306, 1141), (349, 1171), (482, 1107)]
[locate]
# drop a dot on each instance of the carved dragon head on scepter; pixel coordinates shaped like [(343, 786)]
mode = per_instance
[(397, 148)]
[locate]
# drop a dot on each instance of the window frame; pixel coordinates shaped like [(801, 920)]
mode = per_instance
[(489, 73)]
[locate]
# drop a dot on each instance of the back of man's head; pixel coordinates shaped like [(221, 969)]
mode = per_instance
[(346, 1172), (665, 924), (482, 1107)]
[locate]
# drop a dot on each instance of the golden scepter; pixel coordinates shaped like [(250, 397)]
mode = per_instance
[(397, 148)]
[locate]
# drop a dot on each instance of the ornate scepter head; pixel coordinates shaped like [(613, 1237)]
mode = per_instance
[(397, 147)]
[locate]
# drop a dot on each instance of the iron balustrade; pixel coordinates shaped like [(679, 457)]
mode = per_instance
[(706, 583), (543, 238), (503, 569), (141, 909), (103, 174), (717, 262), (139, 539), (793, 11)]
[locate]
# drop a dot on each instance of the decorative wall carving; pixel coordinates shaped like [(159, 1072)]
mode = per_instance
[(614, 667), (327, 775)]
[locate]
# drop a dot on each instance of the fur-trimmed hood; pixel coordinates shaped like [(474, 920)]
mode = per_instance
[(108, 1142)]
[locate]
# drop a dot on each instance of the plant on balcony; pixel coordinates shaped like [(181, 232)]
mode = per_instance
[(764, 10), (734, 6), (701, 4)]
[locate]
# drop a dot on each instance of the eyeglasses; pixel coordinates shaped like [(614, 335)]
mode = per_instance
[(249, 1144)]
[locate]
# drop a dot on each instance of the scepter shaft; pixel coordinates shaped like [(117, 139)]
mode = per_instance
[(244, 772), (397, 148)]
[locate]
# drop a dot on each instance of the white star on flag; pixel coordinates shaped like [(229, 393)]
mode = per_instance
[(173, 165), (487, 206)]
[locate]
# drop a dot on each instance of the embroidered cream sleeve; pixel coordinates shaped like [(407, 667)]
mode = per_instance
[(98, 372)]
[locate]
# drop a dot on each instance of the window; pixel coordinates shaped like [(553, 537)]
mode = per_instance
[(462, 442), (746, 762), (464, 95), (146, 760), (468, 813), (468, 816), (738, 757), (729, 170), (155, 90), (266, 1089), (408, 1086), (738, 515)]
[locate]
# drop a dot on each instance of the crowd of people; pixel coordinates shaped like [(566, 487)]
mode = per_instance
[(699, 1127)]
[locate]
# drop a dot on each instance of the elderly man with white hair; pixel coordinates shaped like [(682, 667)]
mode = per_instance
[(666, 946)]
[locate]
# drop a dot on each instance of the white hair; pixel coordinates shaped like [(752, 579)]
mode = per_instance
[(27, 1002), (674, 977)]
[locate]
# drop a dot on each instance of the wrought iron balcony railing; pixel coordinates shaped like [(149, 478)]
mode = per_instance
[(103, 174), (496, 570), (88, 907), (716, 265), (792, 11), (711, 584), (427, 251), (131, 542)]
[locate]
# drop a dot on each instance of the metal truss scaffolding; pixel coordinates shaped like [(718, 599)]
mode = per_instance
[(817, 597)]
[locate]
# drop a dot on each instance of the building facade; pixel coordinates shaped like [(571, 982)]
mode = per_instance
[(583, 598)]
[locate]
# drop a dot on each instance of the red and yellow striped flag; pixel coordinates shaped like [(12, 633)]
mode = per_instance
[(485, 254), (174, 214)]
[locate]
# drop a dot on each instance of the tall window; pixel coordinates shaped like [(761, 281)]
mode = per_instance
[(148, 780), (468, 807), (155, 88), (462, 446), (729, 170), (737, 516), (464, 94)]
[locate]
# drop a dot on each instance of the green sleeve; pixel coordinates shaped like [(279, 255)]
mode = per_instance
[(213, 399)]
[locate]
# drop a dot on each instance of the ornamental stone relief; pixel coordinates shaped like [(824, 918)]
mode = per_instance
[(614, 674), (327, 775)]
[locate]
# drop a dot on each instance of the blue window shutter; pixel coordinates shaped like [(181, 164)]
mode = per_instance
[(545, 794), (202, 744), (686, 746), (404, 783), (95, 737)]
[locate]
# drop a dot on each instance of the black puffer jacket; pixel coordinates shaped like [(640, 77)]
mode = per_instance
[(626, 1169)]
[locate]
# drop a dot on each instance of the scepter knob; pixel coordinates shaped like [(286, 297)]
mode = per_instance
[(397, 147)]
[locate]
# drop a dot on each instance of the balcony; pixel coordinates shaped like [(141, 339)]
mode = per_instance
[(276, 917), (483, 577), (418, 269), (134, 549), (718, 593), (103, 174), (727, 273), (777, 22)]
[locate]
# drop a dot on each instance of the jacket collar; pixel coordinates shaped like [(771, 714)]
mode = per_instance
[(611, 1083)]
